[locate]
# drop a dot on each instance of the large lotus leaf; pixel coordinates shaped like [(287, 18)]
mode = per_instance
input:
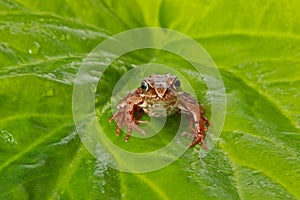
[(254, 44)]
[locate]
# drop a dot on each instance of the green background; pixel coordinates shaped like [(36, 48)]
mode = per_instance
[(256, 46)]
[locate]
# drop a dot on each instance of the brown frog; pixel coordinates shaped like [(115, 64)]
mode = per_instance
[(160, 96)]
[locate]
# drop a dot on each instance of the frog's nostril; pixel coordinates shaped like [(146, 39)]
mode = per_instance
[(161, 92)]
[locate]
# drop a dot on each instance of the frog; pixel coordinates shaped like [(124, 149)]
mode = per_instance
[(161, 95)]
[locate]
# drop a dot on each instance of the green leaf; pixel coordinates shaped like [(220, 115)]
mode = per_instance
[(254, 44)]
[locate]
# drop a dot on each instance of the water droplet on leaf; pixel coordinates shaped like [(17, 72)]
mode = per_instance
[(68, 36), (62, 37), (7, 137), (49, 92), (34, 49)]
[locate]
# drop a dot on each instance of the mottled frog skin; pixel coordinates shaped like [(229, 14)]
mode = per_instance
[(160, 96)]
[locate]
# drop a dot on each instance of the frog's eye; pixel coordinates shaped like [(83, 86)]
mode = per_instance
[(144, 86), (176, 84)]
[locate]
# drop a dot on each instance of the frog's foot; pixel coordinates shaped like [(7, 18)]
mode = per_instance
[(119, 116), (200, 134), (199, 139), (127, 121), (198, 131)]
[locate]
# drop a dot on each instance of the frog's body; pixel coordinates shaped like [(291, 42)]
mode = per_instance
[(159, 96)]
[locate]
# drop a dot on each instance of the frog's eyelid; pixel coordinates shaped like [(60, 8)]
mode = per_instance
[(150, 83)]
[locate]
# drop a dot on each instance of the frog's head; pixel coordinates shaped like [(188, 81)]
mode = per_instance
[(160, 86)]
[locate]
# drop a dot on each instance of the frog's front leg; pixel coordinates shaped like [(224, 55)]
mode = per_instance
[(125, 116), (198, 122)]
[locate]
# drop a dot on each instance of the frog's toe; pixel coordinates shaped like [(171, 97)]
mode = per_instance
[(138, 129), (127, 137), (118, 130), (133, 126), (199, 139), (142, 122), (188, 134)]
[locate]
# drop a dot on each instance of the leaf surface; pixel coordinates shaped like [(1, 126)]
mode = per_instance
[(256, 47)]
